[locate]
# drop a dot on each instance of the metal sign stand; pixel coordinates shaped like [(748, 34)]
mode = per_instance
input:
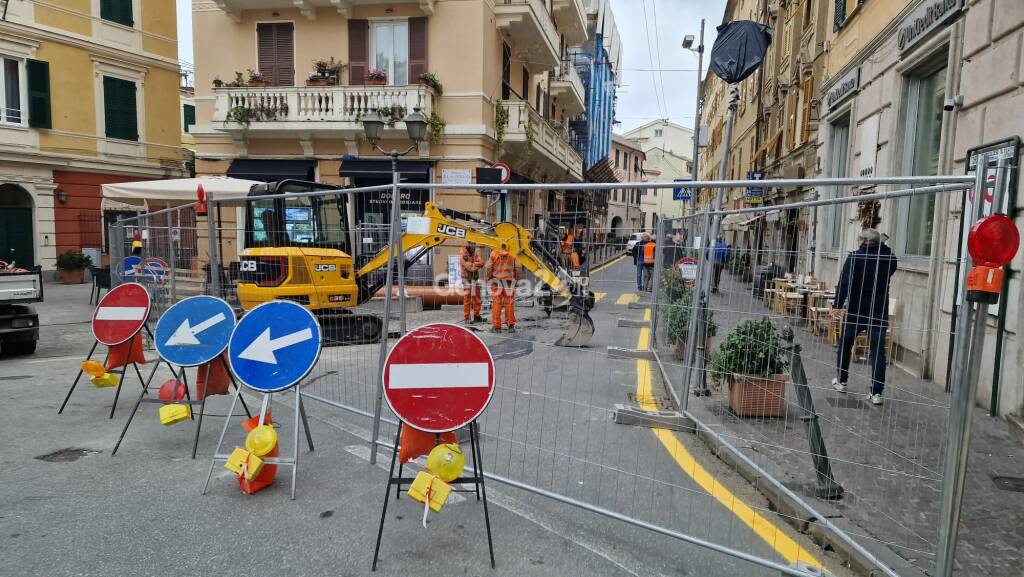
[(123, 371), (477, 479), (293, 461), (143, 398)]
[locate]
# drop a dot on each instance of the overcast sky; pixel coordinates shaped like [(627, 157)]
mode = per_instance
[(659, 78)]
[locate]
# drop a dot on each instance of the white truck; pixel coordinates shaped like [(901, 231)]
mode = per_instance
[(19, 323)]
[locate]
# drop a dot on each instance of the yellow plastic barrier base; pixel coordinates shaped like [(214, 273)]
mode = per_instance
[(170, 414), (438, 489), (239, 457), (106, 380)]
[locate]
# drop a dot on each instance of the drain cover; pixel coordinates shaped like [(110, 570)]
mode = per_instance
[(1015, 484), (66, 455), (845, 403)]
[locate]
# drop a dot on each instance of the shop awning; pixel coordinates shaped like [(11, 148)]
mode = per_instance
[(382, 169), (734, 221), (271, 170), (176, 189)]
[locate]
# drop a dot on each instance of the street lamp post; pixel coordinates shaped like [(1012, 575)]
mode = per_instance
[(699, 51), (373, 126)]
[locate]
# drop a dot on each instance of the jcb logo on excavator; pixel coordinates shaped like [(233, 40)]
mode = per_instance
[(325, 268), (450, 230)]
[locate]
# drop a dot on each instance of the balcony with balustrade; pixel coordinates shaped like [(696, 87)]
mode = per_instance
[(532, 31), (315, 110), (567, 89), (529, 136)]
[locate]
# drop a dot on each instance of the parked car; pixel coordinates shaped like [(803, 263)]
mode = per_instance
[(633, 239)]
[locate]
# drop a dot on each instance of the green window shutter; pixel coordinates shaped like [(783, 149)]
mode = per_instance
[(840, 15), (189, 116), (39, 94), (119, 11), (120, 113)]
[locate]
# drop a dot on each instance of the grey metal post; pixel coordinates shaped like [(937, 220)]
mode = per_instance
[(705, 266), (394, 254), (968, 347), (396, 219), (211, 231), (116, 237), (696, 123), (659, 240), (171, 257)]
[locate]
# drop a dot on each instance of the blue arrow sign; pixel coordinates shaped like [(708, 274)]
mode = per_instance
[(126, 268), (274, 346), (194, 331)]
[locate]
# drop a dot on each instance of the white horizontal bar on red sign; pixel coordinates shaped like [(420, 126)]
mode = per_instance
[(121, 314), (439, 376)]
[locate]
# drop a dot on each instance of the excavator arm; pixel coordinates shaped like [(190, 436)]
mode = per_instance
[(438, 226)]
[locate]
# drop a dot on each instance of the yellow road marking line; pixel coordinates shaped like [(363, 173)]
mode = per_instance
[(627, 298), (783, 544), (599, 296), (606, 265)]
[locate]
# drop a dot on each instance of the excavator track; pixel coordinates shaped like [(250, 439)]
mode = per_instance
[(346, 328)]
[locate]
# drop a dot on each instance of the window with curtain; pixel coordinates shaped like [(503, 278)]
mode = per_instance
[(390, 50), (925, 96), (10, 92)]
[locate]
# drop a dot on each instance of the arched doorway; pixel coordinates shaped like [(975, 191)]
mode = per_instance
[(17, 243), (617, 226)]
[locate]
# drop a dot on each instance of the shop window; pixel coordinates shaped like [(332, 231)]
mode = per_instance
[(840, 154), (925, 95)]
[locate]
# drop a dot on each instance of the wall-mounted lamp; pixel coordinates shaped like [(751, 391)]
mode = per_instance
[(61, 194)]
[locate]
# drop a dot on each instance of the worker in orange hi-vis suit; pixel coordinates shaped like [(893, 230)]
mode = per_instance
[(470, 265), (502, 274), (570, 259)]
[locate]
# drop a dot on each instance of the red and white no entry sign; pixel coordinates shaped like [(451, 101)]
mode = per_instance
[(120, 314), (438, 378)]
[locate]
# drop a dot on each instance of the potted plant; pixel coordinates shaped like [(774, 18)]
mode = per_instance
[(257, 79), (325, 72), (752, 360), (377, 77), (72, 265), (430, 79), (238, 82), (676, 317), (217, 82)]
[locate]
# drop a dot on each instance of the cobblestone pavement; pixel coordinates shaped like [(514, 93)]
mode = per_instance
[(888, 459)]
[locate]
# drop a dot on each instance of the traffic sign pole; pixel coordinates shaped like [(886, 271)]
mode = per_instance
[(270, 329), (438, 390)]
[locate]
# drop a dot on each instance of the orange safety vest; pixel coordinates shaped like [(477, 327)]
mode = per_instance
[(502, 266), (649, 252), (567, 244), (470, 264)]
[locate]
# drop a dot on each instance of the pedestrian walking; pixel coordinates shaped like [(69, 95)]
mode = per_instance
[(864, 290), (650, 251), (502, 274), (721, 258), (638, 260), (470, 265)]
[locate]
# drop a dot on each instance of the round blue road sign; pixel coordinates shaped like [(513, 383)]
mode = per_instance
[(125, 270), (274, 346), (194, 331)]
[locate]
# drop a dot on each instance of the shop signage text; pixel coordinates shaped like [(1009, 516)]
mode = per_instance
[(846, 87), (927, 17)]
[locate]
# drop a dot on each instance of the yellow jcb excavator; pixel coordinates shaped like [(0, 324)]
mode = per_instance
[(298, 248)]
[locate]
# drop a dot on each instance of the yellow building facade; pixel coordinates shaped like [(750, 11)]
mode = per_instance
[(89, 96)]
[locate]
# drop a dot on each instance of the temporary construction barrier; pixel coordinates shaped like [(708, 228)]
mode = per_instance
[(608, 429)]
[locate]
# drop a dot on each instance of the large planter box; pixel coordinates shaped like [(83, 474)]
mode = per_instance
[(758, 396)]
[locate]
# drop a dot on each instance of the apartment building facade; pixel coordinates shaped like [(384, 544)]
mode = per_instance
[(509, 91), (624, 214), (89, 96), (668, 148)]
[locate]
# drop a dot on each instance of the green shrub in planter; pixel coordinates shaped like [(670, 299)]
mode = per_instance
[(677, 317), (72, 260), (752, 348)]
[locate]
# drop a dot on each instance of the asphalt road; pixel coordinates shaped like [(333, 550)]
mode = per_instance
[(549, 425)]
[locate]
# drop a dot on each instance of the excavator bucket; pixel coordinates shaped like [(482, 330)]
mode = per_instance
[(578, 331)]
